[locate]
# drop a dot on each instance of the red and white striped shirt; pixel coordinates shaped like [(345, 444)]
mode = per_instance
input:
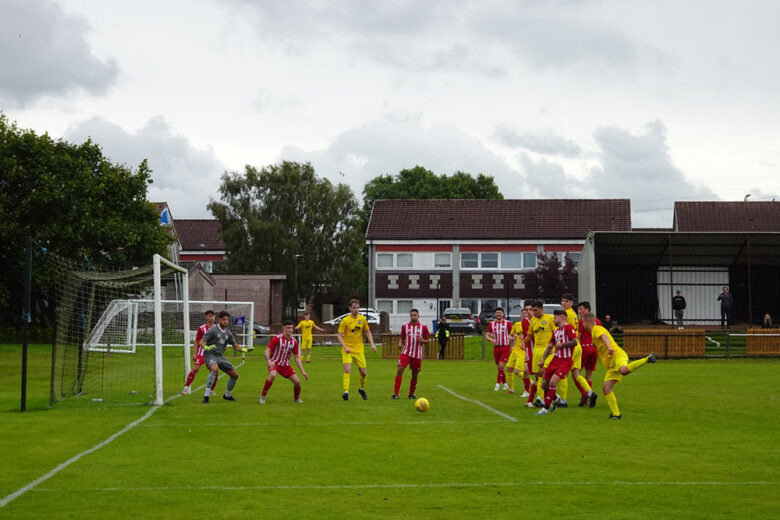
[(529, 347), (586, 339), (281, 348), (411, 335), (203, 329), (500, 331), (561, 336)]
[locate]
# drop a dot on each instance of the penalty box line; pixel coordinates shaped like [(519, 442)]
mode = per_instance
[(21, 491), (483, 405)]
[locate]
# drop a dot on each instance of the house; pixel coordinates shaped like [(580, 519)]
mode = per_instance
[(434, 254), (201, 242)]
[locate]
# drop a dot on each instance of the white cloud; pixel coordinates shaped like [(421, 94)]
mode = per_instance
[(544, 142)]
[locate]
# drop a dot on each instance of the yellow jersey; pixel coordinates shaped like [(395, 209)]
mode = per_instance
[(351, 330), (306, 326), (542, 329), (597, 332), (572, 319)]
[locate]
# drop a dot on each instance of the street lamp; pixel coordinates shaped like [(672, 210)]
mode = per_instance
[(295, 293)]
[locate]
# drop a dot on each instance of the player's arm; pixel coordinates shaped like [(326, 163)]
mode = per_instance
[(608, 343), (489, 336), (426, 336), (267, 354), (340, 337), (401, 338), (547, 352), (529, 338), (297, 355), (198, 337), (319, 328), (370, 338)]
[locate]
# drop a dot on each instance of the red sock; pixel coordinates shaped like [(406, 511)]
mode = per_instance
[(580, 388), (266, 386), (590, 383), (296, 391), (190, 377), (397, 386), (527, 384), (501, 376), (214, 384), (532, 392), (412, 386), (549, 396)]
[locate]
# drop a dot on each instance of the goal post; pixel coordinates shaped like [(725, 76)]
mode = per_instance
[(158, 324)]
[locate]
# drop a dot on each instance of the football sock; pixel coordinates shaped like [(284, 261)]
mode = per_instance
[(345, 382), (532, 392), (216, 377), (527, 384), (582, 384), (539, 389), (638, 363), (210, 381), (363, 381), (230, 385), (548, 399), (612, 403), (267, 386), (296, 391), (190, 377), (501, 376), (563, 388), (510, 379), (397, 386), (590, 383), (413, 385)]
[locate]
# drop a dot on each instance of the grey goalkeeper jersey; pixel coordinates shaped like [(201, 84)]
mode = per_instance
[(217, 340)]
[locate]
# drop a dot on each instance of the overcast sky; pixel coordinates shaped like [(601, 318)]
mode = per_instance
[(653, 100)]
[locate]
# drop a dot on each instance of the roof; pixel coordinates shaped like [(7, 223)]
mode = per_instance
[(727, 216), (200, 234), (496, 219)]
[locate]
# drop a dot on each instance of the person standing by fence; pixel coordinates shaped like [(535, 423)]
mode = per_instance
[(726, 307), (678, 306)]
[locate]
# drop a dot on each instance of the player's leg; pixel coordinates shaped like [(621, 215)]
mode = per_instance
[(510, 372), (346, 360), (563, 391), (634, 365), (231, 372), (267, 385), (213, 368), (296, 387), (362, 387), (414, 365), (399, 376), (191, 376), (609, 396)]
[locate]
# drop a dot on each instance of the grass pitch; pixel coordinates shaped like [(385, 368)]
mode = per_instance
[(698, 440)]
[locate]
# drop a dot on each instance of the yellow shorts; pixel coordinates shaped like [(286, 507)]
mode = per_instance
[(516, 359), (619, 359), (577, 358), (537, 358), (359, 358), (305, 343)]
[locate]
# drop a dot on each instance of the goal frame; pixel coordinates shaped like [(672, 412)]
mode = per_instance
[(157, 260)]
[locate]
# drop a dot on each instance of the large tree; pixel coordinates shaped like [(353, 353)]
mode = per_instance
[(551, 278), (284, 218), (73, 202), (419, 183)]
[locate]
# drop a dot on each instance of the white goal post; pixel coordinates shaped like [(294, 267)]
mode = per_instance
[(158, 355)]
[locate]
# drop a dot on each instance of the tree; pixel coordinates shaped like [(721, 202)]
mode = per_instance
[(284, 218), (550, 279), (419, 183), (73, 202)]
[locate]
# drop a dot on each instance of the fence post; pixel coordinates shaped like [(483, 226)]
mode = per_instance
[(728, 345)]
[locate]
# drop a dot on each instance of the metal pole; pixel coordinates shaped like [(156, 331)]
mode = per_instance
[(158, 358), (750, 284), (26, 319), (671, 276), (728, 345)]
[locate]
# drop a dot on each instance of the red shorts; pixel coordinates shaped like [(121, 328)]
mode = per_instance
[(200, 360), (501, 354), (589, 357), (413, 363), (559, 367), (284, 371)]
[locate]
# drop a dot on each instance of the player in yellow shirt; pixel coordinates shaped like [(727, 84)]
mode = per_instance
[(541, 332), (351, 330), (305, 327), (516, 364), (614, 359), (586, 393)]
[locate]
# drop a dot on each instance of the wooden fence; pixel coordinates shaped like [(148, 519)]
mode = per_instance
[(665, 343), (454, 349), (762, 346)]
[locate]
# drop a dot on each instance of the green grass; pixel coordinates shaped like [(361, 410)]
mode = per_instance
[(699, 440)]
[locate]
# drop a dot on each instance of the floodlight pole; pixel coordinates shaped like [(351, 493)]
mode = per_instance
[(26, 320)]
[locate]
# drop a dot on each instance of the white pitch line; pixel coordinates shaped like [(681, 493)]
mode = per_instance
[(483, 405), (415, 485), (21, 491), (313, 424)]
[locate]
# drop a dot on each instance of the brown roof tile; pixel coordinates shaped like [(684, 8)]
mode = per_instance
[(496, 219), (197, 234), (727, 216)]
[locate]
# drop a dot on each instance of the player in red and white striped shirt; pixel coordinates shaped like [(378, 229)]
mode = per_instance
[(498, 334), (277, 355), (563, 341), (413, 335), (197, 357)]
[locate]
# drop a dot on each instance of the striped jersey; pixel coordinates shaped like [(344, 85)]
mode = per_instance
[(201, 331), (411, 336), (281, 348), (561, 336), (586, 338), (500, 331)]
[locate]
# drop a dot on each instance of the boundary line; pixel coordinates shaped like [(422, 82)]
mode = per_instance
[(316, 424), (483, 405), (21, 491)]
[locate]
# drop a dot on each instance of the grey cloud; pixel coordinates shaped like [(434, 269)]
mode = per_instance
[(43, 51), (544, 142), (185, 176)]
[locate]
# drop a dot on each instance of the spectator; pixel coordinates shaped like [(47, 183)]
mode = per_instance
[(767, 324), (443, 335), (611, 325), (678, 306), (726, 307)]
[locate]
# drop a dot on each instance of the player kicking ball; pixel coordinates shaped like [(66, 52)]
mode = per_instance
[(614, 359), (277, 355), (214, 343), (413, 335), (564, 342)]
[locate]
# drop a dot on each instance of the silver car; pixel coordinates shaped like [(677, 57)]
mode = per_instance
[(460, 319)]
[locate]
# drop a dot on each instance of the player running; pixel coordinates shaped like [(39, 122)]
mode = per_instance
[(542, 327), (305, 327), (614, 359), (214, 343), (564, 342), (197, 357), (277, 355), (586, 393), (351, 330), (517, 358), (589, 353), (413, 335), (498, 335)]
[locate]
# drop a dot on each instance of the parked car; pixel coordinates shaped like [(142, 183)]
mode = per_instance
[(460, 319), (550, 307), (372, 317), (260, 334)]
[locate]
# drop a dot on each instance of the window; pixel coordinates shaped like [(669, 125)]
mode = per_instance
[(529, 260), (384, 260), (489, 260), (575, 257), (385, 305), (404, 306), (442, 260), (511, 260), (469, 260), (470, 304), (403, 260), (489, 305)]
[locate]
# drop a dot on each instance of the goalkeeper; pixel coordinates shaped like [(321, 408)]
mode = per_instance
[(214, 343)]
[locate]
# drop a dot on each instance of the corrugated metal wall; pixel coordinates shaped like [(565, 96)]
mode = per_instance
[(628, 294), (700, 286)]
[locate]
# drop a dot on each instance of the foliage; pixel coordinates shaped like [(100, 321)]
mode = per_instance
[(271, 215), (73, 202), (550, 279)]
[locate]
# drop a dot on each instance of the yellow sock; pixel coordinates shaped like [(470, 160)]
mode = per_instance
[(563, 388), (638, 363), (612, 403), (510, 379), (583, 383), (362, 381), (345, 380)]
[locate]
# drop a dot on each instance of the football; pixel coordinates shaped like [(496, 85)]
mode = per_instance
[(422, 404)]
